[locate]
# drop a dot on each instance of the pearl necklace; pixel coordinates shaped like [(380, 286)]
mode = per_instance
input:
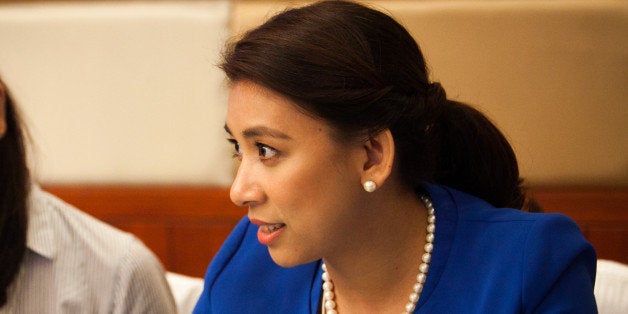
[(329, 305)]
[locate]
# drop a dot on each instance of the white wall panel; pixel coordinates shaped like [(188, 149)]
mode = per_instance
[(120, 92)]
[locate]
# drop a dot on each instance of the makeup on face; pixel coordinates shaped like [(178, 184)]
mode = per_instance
[(301, 186)]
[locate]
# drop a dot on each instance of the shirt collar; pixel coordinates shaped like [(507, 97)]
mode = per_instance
[(40, 236)]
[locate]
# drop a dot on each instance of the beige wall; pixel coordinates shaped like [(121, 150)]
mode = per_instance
[(120, 92), (551, 74)]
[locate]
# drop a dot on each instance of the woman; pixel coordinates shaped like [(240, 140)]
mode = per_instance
[(55, 258), (368, 191)]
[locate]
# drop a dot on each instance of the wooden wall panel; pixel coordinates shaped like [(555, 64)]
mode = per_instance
[(195, 245), (186, 225)]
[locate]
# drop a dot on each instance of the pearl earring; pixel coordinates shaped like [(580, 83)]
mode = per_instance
[(369, 186)]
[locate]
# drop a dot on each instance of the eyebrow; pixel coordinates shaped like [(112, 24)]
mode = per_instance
[(260, 131)]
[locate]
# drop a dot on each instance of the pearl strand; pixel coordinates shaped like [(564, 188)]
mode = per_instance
[(329, 305)]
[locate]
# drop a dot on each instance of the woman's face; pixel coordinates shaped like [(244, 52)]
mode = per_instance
[(301, 186)]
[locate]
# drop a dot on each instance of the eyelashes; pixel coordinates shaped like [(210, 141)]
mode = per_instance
[(236, 149), (264, 151)]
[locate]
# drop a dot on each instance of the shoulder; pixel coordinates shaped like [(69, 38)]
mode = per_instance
[(94, 238), (539, 257), (556, 251), (467, 208), (245, 266), (110, 262), (538, 233), (140, 283), (70, 226)]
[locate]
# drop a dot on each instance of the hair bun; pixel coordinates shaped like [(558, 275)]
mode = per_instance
[(436, 93)]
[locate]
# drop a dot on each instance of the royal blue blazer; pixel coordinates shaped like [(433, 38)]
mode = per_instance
[(485, 260)]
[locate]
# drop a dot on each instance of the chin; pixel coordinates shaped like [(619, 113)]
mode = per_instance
[(287, 260)]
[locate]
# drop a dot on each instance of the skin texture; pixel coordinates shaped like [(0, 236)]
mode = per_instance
[(301, 178), (293, 173)]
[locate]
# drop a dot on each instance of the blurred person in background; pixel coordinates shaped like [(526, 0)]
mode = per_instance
[(56, 259)]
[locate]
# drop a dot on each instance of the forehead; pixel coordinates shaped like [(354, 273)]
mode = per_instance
[(252, 105)]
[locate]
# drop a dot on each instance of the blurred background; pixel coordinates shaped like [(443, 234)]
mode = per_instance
[(120, 92), (128, 91), (126, 106)]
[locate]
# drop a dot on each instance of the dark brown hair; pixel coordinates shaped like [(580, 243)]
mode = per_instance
[(14, 191), (362, 72)]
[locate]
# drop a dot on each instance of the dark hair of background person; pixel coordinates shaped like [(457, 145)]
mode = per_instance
[(362, 72), (14, 191)]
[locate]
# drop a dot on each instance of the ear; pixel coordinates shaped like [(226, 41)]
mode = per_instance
[(380, 152)]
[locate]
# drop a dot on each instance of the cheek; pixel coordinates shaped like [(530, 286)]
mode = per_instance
[(319, 174), (315, 190), (294, 186)]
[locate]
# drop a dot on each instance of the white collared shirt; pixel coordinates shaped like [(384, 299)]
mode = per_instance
[(77, 264)]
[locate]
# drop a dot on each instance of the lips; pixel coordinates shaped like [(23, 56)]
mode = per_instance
[(268, 232), (270, 228)]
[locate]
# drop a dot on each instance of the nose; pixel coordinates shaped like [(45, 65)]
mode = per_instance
[(245, 190)]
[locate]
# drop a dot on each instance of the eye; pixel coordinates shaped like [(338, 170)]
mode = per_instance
[(266, 152), (237, 153)]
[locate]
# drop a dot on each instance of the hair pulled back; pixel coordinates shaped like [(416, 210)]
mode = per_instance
[(13, 196), (362, 72)]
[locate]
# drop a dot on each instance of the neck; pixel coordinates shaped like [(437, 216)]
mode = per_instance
[(377, 271)]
